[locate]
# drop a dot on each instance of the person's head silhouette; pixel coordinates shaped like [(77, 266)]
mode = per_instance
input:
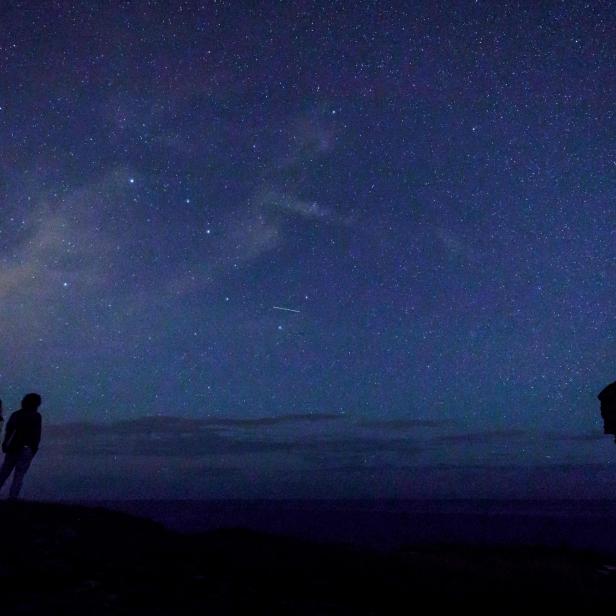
[(31, 402)]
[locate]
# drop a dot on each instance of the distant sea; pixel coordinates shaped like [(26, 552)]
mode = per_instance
[(396, 524)]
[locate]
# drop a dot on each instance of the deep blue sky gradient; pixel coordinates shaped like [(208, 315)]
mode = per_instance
[(432, 187)]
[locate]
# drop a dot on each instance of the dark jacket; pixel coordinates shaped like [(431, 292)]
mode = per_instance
[(23, 429), (608, 395), (608, 408)]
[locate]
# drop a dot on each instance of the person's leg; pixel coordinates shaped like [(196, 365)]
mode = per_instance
[(22, 465), (8, 465)]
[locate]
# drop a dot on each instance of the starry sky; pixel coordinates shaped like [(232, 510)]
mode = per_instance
[(310, 248)]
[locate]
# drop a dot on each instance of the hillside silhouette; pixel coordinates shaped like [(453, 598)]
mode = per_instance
[(65, 559)]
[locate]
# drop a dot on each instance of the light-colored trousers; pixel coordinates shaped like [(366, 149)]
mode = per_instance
[(20, 463)]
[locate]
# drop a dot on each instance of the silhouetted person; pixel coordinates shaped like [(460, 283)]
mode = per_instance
[(21, 442), (608, 408)]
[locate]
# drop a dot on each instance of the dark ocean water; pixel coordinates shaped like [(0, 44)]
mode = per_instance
[(589, 525)]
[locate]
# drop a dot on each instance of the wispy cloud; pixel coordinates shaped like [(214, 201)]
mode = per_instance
[(247, 236), (309, 136), (71, 240), (255, 230), (289, 204), (262, 225), (57, 250)]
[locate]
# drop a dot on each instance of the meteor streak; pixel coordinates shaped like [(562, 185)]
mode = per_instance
[(282, 308)]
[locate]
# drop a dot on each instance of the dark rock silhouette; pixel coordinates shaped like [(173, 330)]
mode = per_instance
[(69, 560), (21, 442), (607, 396)]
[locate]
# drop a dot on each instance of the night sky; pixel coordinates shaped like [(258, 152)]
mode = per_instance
[(427, 188)]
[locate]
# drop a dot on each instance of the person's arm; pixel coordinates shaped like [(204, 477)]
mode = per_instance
[(8, 434)]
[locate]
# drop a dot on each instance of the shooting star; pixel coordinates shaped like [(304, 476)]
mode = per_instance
[(282, 308)]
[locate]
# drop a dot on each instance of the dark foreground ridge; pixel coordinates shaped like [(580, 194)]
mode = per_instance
[(70, 559)]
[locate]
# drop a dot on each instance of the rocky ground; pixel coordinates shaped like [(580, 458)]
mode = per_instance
[(61, 559)]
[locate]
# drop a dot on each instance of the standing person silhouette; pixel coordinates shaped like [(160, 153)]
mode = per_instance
[(607, 396), (21, 442)]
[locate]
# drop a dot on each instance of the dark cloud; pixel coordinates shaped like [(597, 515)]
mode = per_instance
[(203, 444), (274, 421), (356, 445), (488, 436), (186, 457), (158, 445), (422, 469), (74, 429), (166, 436), (159, 424), (155, 424), (577, 437), (407, 424)]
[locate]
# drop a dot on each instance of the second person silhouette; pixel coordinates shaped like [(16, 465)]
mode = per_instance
[(21, 442)]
